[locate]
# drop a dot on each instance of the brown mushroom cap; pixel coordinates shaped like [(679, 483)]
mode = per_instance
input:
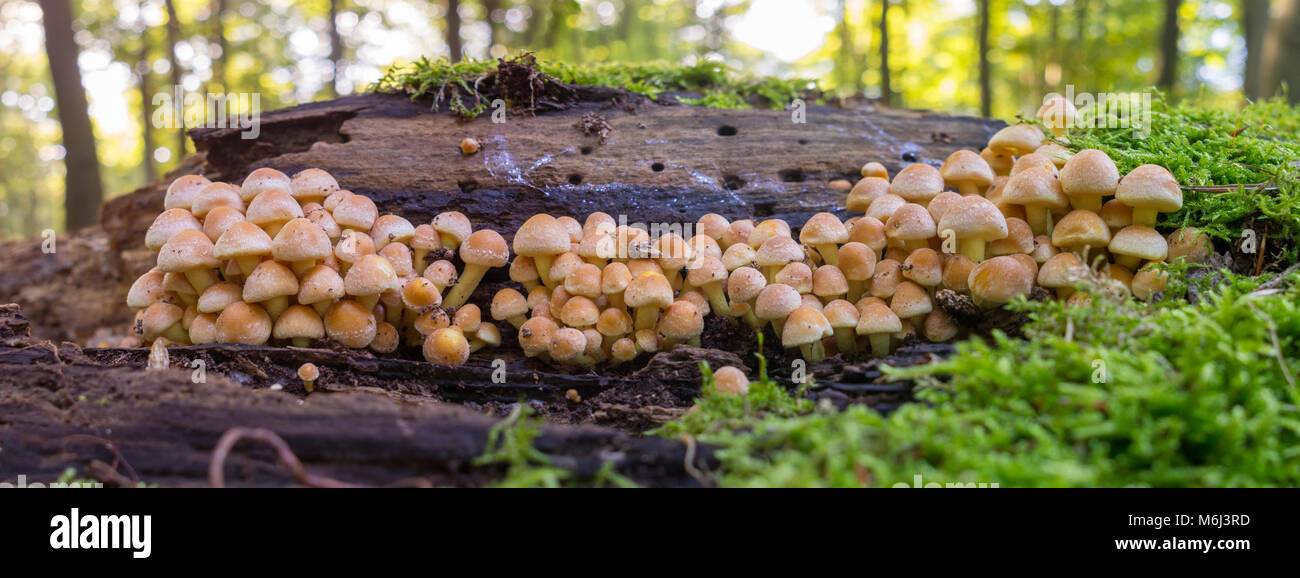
[(312, 185), (866, 190), (541, 235), (1089, 172), (269, 280), (1081, 228), (187, 250), (1016, 140), (877, 318), (681, 321), (1151, 187), (243, 323), (1140, 241), (370, 275), (320, 283), (158, 318), (218, 296), (1019, 239), (1000, 279), (744, 284), (351, 324), (1062, 270), (911, 222), (776, 301), (917, 183), (823, 229), (805, 325), (146, 290), (272, 207), (884, 206), (299, 322), (356, 212), (796, 274), (1189, 244), (391, 229), (243, 239), (457, 226), (648, 290), (778, 250), (924, 266), (169, 223), (301, 240), (535, 335), (1036, 186), (974, 217), (956, 270), (910, 300), (262, 180), (965, 168), (829, 281), (485, 247), (216, 195), (219, 220), (182, 192), (446, 346), (886, 278)]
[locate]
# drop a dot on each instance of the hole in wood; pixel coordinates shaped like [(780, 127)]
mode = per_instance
[(727, 130), (733, 182), (657, 167), (575, 179), (467, 186), (909, 157), (792, 175), (585, 150)]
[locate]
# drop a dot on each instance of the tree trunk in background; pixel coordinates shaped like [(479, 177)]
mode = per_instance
[(219, 39), (143, 69), (1254, 21), (84, 190), (174, 38), (535, 21), (1169, 48), (1280, 65), (848, 57), (494, 32), (986, 83), (1080, 48), (886, 92), (336, 47), (1055, 68), (453, 30)]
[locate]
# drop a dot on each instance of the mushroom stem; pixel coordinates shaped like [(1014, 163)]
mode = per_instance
[(465, 286), (309, 385), (753, 320), (879, 344), (967, 188), (300, 268), (1087, 203), (972, 249), (1129, 262), (779, 325), (914, 244), (304, 343), (368, 301), (200, 279), (616, 300), (770, 272), (417, 258), (856, 289), (1040, 219), (274, 229), (1145, 216), (322, 307), (276, 305), (814, 351), (1064, 293), (518, 321), (846, 340), (543, 264), (717, 299), (247, 264), (674, 280), (830, 253), (393, 315), (646, 317), (177, 333), (448, 241)]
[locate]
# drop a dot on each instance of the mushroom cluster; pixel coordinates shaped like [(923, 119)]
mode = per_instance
[(292, 260)]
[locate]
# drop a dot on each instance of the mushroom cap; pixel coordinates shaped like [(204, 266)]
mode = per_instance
[(399, 256), (776, 301), (938, 326), (598, 243), (1150, 186), (966, 167), (187, 250), (711, 224), (1057, 113), (567, 343), (489, 334), (674, 252), (584, 279), (1043, 249), (425, 238), (332, 201), (974, 217), (298, 322), (146, 290), (840, 314), (1035, 186), (829, 281), (614, 278), (203, 329), (886, 278), (169, 223), (271, 207), (158, 317), (805, 325), (703, 246), (956, 270), (570, 225), (613, 322), (1016, 140), (563, 265), (823, 229), (244, 323), (320, 283), (924, 266), (243, 239), (301, 240), (308, 371), (1089, 172), (738, 232), (219, 220), (857, 261), (370, 275), (1190, 244), (353, 245), (579, 311), (707, 270), (599, 221), (866, 190), (523, 270), (508, 303), (1032, 161), (535, 335), (269, 280), (351, 324), (457, 225), (1000, 279), (795, 274), (941, 202), (1062, 270), (744, 284), (1116, 214), (682, 321), (218, 296), (468, 317), (917, 183), (738, 255), (177, 283), (541, 235), (313, 184), (648, 290), (419, 293), (876, 318), (356, 212), (262, 180), (1140, 241), (1019, 239), (391, 229), (909, 223), (766, 230), (884, 206), (1056, 153), (446, 346), (869, 231), (777, 251), (1079, 228), (182, 192), (910, 300), (216, 195), (728, 380), (486, 248), (442, 273)]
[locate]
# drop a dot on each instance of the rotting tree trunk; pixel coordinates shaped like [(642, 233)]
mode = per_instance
[(83, 188)]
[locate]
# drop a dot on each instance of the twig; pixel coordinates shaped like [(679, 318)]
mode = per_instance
[(1277, 281), (216, 475), (691, 470), (117, 456)]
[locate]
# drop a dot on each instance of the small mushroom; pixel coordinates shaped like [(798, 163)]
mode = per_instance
[(308, 373), (805, 328), (182, 192), (728, 380), (299, 324), (1087, 177), (1150, 190), (447, 346), (967, 172), (542, 238), (482, 250), (244, 323), (878, 322)]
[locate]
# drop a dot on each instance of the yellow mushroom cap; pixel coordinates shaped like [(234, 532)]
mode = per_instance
[(1016, 140), (356, 212), (924, 266), (182, 192), (262, 180), (243, 239), (857, 261), (299, 322), (243, 323), (1000, 279), (1140, 241), (614, 278), (1150, 186), (1081, 228), (301, 240), (884, 206), (1089, 172), (966, 167), (167, 224), (1190, 244), (351, 324), (269, 280), (829, 281), (271, 207), (541, 235), (579, 311), (917, 183), (312, 184), (186, 250), (454, 224), (320, 283), (146, 290), (974, 217), (446, 346), (805, 325), (877, 317)]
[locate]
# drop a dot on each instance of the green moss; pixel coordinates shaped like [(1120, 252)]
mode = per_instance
[(511, 443)]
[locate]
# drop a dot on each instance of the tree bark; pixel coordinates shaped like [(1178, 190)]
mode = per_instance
[(1169, 48), (886, 91), (1280, 63), (174, 38), (144, 69), (336, 48), (494, 27), (986, 82), (84, 191), (219, 39), (453, 30)]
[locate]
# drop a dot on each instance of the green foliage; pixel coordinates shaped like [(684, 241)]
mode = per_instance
[(716, 413), (1189, 395), (510, 443)]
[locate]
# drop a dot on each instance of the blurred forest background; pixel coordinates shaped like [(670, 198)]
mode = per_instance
[(79, 77)]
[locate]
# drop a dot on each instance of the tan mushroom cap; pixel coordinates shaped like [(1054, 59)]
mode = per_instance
[(910, 300), (681, 321), (1062, 270), (1000, 279), (796, 274), (1016, 140), (1140, 241), (1057, 113), (766, 230), (419, 293), (446, 346), (203, 329), (508, 303), (776, 301), (974, 217), (1150, 187), (244, 323), (313, 185), (924, 266), (456, 225), (866, 190), (1116, 214), (941, 203), (541, 235), (391, 229), (370, 275), (614, 278), (579, 311), (571, 225), (911, 222), (243, 239), (738, 255), (1089, 172), (273, 207), (884, 206), (320, 283), (485, 247), (886, 278), (535, 335), (353, 245), (869, 231), (857, 261), (804, 325), (1019, 239), (829, 281), (218, 296), (262, 180), (822, 229), (648, 290), (182, 192), (1056, 153), (468, 317), (1081, 228), (566, 344), (1032, 161), (219, 220), (399, 256), (424, 238), (269, 280), (999, 162), (332, 201), (356, 212), (965, 170), (216, 195), (187, 250), (917, 183), (778, 250), (956, 271), (876, 318), (674, 253), (1189, 244), (730, 381), (1036, 186), (841, 314), (523, 270), (169, 223), (351, 324), (177, 283), (146, 290), (299, 322), (301, 240), (706, 271), (158, 318), (744, 284)]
